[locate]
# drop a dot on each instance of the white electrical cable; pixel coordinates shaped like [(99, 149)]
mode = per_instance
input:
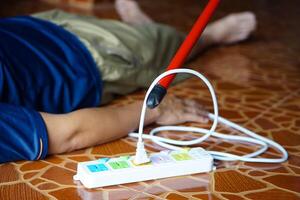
[(169, 143)]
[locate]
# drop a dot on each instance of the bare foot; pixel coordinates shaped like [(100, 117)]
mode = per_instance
[(131, 13), (232, 28)]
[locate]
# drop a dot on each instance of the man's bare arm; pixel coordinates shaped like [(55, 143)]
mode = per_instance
[(92, 126)]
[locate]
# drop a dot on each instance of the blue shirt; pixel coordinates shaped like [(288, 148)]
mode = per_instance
[(42, 68)]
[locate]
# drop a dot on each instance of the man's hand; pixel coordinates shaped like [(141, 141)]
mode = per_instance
[(91, 126), (175, 111)]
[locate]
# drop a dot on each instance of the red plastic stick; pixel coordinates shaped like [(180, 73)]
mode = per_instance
[(190, 41)]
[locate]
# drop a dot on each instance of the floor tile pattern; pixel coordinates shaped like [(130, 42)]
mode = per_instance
[(257, 84)]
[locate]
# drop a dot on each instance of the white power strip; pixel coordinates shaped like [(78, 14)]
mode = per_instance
[(113, 171), (105, 171)]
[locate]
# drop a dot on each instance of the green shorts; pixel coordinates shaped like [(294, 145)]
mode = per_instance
[(128, 57)]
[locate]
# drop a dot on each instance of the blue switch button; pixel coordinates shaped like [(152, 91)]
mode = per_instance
[(97, 168)]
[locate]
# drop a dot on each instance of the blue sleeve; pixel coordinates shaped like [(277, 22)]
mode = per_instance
[(23, 134)]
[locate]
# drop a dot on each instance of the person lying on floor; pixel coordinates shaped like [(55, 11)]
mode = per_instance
[(58, 70)]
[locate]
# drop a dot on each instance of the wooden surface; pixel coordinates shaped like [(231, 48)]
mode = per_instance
[(257, 84)]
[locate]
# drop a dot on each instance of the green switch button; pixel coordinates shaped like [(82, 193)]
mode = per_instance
[(122, 164), (181, 156)]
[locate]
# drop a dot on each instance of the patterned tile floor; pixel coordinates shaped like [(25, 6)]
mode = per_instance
[(257, 84)]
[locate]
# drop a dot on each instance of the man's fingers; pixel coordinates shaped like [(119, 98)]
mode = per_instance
[(176, 110), (194, 118), (194, 108), (190, 110), (190, 103)]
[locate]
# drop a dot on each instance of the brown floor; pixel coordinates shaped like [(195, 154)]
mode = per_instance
[(257, 84)]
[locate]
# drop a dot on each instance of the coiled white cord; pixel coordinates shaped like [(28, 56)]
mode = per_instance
[(169, 143)]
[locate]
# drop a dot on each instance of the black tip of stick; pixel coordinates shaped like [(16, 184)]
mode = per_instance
[(156, 96)]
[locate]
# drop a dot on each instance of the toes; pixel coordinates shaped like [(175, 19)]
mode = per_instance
[(126, 5), (244, 16), (247, 19), (239, 27), (130, 12), (120, 4), (122, 7)]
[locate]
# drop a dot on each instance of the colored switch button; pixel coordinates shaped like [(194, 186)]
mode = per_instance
[(97, 168), (119, 164), (181, 156), (160, 158)]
